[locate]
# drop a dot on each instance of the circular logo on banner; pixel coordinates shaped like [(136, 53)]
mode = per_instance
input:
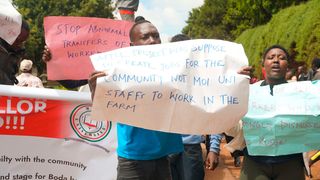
[(86, 128)]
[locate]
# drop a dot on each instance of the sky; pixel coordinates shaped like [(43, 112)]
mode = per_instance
[(168, 16)]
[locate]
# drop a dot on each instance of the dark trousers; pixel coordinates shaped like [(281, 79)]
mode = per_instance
[(176, 166), (292, 169), (236, 153), (193, 162), (157, 169)]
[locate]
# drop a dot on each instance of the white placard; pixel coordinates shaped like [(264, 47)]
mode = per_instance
[(185, 87)]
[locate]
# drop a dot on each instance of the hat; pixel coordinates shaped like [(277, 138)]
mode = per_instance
[(25, 65)]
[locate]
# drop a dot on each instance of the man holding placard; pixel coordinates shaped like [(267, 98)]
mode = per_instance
[(142, 153)]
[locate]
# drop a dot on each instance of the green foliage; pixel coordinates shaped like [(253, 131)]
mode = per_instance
[(205, 22), (296, 28), (227, 19), (35, 10), (245, 14)]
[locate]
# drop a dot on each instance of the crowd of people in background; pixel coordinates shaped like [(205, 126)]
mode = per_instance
[(300, 73), (147, 154)]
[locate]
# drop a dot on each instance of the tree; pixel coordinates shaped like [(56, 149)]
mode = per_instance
[(296, 28), (246, 14), (206, 21), (33, 11), (227, 19)]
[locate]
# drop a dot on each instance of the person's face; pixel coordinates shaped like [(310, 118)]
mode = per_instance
[(314, 67), (18, 43), (276, 64), (145, 34), (301, 69)]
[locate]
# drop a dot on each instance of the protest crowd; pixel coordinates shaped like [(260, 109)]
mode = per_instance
[(149, 154)]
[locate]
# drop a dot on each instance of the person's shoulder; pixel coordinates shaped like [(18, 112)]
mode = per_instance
[(22, 75), (316, 75), (258, 83)]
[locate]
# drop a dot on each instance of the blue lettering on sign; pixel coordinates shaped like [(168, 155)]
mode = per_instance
[(192, 63), (225, 99), (209, 63), (147, 53), (145, 64), (208, 48), (125, 94), (199, 81), (120, 106), (181, 97), (174, 50), (223, 79), (208, 100), (170, 65), (179, 78), (136, 78), (112, 56)]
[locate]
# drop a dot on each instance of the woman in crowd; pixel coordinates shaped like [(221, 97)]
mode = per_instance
[(290, 166)]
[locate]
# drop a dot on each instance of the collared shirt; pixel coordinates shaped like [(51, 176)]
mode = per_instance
[(215, 140)]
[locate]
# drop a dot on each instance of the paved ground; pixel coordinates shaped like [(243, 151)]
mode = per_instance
[(227, 171)]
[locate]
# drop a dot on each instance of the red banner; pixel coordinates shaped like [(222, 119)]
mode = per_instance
[(49, 134)]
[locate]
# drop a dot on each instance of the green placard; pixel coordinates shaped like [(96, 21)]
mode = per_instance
[(286, 122)]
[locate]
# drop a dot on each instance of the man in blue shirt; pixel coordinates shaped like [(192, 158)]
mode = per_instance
[(142, 154)]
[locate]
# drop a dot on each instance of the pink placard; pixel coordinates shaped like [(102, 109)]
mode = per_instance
[(72, 40)]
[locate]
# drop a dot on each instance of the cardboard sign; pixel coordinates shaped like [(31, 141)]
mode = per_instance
[(72, 40), (189, 87), (287, 122)]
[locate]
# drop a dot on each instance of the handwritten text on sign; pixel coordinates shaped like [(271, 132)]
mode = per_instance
[(280, 124), (10, 22), (185, 87), (73, 39)]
